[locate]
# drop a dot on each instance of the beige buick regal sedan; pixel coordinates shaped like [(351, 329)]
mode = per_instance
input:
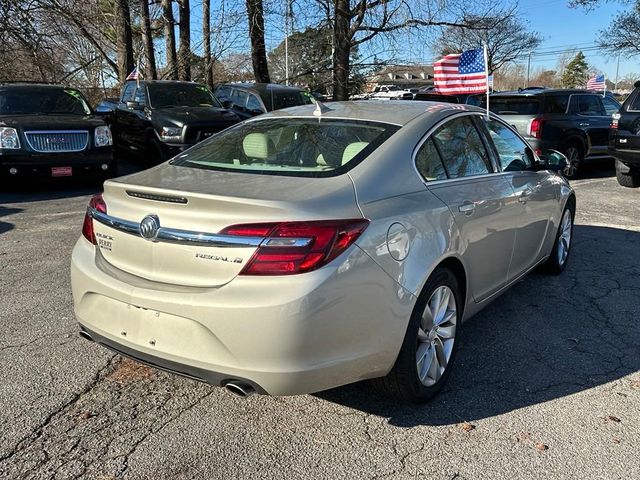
[(320, 245)]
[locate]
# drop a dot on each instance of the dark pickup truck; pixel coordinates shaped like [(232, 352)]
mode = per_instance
[(575, 122), (50, 131), (624, 140), (157, 119)]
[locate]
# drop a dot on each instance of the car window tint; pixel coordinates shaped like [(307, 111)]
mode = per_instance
[(127, 94), (635, 103), (586, 105), (610, 105), (461, 147), (429, 163), (224, 92), (254, 104), (239, 98), (514, 105), (140, 96), (512, 151), (556, 103)]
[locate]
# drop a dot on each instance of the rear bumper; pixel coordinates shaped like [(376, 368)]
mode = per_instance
[(619, 148), (31, 164), (283, 335)]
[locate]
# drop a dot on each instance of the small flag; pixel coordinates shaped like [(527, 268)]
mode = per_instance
[(133, 75), (461, 73), (596, 83)]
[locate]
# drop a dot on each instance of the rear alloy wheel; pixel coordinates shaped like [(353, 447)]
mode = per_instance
[(575, 157), (562, 246), (630, 179), (430, 344)]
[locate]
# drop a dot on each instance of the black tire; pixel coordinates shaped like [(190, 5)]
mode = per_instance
[(403, 382), (556, 264), (574, 151), (629, 180)]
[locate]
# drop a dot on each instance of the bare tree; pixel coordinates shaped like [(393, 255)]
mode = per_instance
[(147, 40), (124, 38), (184, 51), (255, 12), (170, 39)]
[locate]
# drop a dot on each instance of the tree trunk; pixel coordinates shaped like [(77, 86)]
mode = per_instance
[(341, 50), (124, 41), (170, 39), (147, 39), (206, 35), (256, 33), (184, 52)]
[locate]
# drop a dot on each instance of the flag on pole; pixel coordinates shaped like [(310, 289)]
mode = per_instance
[(133, 75), (596, 83), (461, 73)]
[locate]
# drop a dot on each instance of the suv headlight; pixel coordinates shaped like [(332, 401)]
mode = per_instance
[(102, 136), (171, 134), (9, 138)]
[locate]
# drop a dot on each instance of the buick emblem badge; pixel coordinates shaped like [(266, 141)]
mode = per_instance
[(149, 227)]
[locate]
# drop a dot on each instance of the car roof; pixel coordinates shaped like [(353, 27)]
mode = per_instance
[(263, 87), (29, 85), (543, 91), (165, 82), (397, 112)]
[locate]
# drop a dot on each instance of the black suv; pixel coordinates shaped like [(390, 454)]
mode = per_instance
[(624, 140), (576, 122), (158, 119), (251, 99), (50, 131)]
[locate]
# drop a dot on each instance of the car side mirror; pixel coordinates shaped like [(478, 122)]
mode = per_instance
[(554, 160), (135, 106), (228, 104)]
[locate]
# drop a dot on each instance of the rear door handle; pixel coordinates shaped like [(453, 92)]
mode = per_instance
[(584, 124), (524, 196), (467, 208)]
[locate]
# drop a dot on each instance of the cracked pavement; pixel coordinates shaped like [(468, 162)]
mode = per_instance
[(546, 385)]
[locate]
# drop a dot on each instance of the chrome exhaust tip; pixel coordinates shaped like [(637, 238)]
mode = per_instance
[(85, 335), (239, 389)]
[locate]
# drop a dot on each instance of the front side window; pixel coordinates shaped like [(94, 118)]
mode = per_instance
[(140, 96), (166, 95), (586, 105), (67, 101), (512, 151), (128, 92), (294, 147), (461, 148)]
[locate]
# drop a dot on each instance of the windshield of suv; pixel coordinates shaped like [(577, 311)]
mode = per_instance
[(42, 101), (514, 105), (289, 146), (163, 95)]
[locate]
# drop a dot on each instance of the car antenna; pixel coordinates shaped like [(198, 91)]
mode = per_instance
[(320, 109)]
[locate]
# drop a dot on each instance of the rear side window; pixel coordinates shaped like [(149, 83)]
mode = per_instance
[(556, 103), (293, 147), (586, 105), (514, 105), (428, 162), (461, 147)]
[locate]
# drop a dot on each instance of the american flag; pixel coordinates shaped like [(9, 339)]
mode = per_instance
[(133, 75), (596, 83), (461, 73)]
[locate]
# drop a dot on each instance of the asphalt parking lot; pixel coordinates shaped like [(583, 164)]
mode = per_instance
[(547, 381)]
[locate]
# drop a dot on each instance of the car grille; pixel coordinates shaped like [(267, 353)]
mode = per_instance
[(48, 141)]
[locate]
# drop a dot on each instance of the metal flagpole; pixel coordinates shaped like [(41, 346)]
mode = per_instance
[(615, 85), (138, 73), (604, 92), (486, 74)]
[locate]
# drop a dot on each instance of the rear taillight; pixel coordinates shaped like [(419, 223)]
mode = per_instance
[(297, 247), (615, 118), (98, 204), (535, 128)]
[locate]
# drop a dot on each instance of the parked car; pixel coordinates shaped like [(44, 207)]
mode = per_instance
[(431, 96), (50, 131), (107, 105), (624, 140), (575, 122), (157, 119), (262, 270), (250, 99), (389, 92)]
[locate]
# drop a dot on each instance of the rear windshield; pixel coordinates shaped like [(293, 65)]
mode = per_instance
[(289, 146), (163, 95), (42, 102), (514, 105), (285, 99)]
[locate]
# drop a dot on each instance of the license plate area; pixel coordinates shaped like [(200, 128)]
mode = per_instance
[(61, 171)]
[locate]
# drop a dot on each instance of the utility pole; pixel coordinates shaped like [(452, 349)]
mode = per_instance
[(286, 40), (615, 85)]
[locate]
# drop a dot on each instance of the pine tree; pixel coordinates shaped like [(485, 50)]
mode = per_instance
[(576, 72)]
